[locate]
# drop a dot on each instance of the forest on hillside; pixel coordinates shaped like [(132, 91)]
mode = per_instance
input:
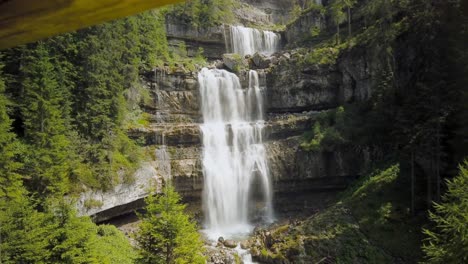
[(68, 104)]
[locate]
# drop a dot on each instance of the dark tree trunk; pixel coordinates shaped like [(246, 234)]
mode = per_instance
[(412, 182), (349, 21), (338, 34), (429, 183)]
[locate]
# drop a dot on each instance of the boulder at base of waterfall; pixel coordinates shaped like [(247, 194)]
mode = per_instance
[(261, 61), (234, 62), (245, 244), (219, 255), (230, 243)]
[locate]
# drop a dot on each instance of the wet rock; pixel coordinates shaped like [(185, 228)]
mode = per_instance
[(255, 252), (261, 61), (245, 244), (219, 64), (274, 60), (230, 243), (234, 62), (219, 256)]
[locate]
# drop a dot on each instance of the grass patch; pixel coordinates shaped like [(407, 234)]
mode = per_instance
[(92, 203)]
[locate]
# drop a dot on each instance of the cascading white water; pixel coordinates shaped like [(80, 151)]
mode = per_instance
[(233, 152), (164, 160), (246, 40)]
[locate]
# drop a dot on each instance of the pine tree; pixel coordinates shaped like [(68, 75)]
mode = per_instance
[(447, 242), (57, 235), (10, 180), (166, 233), (22, 232), (45, 114)]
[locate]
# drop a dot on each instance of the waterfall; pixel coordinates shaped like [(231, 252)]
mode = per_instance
[(250, 40), (233, 153), (163, 160)]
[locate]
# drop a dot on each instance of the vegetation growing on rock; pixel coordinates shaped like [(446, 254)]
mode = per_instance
[(202, 13), (359, 228), (391, 76)]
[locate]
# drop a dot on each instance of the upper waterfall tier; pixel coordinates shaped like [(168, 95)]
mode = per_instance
[(246, 40), (233, 151)]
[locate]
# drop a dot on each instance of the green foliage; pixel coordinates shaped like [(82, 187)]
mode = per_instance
[(57, 235), (310, 6), (379, 202), (327, 131), (336, 11), (359, 228), (46, 117), (167, 234), (23, 236), (447, 241), (202, 13), (112, 245), (74, 94), (91, 203), (295, 13), (10, 179), (327, 55)]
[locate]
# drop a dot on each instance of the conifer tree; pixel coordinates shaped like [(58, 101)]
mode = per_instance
[(10, 180), (167, 235), (57, 235), (447, 242), (22, 232), (45, 115)]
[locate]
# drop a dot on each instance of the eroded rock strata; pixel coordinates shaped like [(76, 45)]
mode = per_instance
[(295, 94)]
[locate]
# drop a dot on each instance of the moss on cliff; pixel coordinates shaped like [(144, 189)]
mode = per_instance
[(370, 224)]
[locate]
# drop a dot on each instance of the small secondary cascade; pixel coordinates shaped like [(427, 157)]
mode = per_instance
[(233, 154), (246, 40), (163, 159)]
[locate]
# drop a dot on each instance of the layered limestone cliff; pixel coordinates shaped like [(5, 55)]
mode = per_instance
[(294, 99), (295, 94)]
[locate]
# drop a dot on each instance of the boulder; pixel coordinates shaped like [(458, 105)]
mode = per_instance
[(261, 61), (245, 244), (234, 62), (230, 243)]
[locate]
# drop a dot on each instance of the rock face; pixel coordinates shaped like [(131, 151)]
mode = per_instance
[(293, 98), (304, 27), (295, 169), (212, 40), (277, 10), (215, 41), (295, 86), (123, 198), (295, 92), (292, 89), (356, 69)]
